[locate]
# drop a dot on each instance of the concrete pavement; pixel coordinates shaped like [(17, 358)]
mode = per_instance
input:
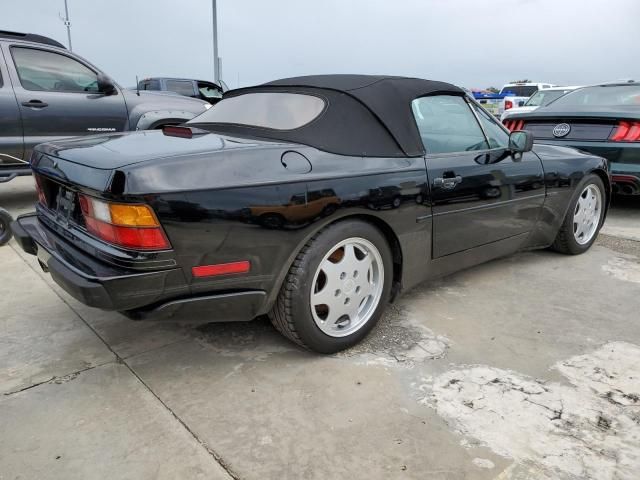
[(526, 367)]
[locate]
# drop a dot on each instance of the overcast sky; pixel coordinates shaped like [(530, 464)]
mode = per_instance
[(474, 43)]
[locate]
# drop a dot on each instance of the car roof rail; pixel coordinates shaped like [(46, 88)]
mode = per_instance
[(30, 37)]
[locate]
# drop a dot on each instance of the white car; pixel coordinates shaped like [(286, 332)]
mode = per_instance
[(511, 95), (539, 99)]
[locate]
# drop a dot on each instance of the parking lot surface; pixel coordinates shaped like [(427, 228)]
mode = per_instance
[(523, 368)]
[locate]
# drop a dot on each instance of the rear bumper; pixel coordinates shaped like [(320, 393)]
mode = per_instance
[(150, 293)]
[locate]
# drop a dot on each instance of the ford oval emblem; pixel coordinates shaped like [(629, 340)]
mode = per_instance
[(561, 130)]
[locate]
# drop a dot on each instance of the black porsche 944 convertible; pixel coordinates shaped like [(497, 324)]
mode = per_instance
[(314, 200)]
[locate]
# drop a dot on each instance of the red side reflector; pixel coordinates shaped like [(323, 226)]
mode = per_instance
[(508, 104), (175, 131), (221, 269)]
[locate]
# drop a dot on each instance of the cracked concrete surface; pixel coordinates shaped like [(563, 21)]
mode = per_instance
[(589, 430), (89, 394), (399, 340)]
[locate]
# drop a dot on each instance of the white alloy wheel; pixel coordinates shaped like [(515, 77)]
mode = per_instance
[(586, 216), (347, 287)]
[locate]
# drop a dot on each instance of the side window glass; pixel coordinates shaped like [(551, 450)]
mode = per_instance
[(210, 92), (447, 124), (40, 70), (496, 135), (181, 87), (152, 85)]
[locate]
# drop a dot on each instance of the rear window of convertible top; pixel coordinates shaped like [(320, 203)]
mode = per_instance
[(275, 110)]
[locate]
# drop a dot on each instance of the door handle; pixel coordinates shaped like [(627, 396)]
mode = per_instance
[(447, 183), (35, 104)]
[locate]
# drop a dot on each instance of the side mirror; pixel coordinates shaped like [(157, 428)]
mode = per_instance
[(520, 141), (106, 85)]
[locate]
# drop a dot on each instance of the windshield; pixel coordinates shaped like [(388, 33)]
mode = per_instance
[(602, 96), (544, 97), (276, 110), (520, 90)]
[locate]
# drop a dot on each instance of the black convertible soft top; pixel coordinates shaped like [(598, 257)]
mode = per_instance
[(368, 115)]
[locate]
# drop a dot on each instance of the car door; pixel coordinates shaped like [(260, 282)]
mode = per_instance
[(11, 146), (58, 96), (481, 192)]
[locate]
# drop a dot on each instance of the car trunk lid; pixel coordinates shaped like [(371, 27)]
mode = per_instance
[(113, 151), (568, 128)]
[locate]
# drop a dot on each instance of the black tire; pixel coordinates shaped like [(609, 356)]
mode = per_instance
[(291, 314), (5, 227), (565, 241)]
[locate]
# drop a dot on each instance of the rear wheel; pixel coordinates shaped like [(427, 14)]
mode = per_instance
[(584, 217), (336, 289), (5, 229)]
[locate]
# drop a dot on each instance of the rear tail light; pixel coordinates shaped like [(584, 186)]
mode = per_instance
[(42, 199), (177, 131), (132, 226), (514, 125), (508, 104), (626, 132)]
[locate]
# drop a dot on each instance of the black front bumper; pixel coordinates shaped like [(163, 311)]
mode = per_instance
[(110, 287)]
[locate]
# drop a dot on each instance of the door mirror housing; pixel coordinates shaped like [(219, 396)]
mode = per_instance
[(106, 85), (521, 141)]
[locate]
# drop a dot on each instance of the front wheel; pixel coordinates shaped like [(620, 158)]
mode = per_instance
[(584, 217), (336, 289)]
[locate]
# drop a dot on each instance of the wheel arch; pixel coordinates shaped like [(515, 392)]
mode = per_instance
[(154, 119), (379, 223), (606, 180), (394, 245)]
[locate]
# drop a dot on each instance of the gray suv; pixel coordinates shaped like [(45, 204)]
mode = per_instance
[(47, 92)]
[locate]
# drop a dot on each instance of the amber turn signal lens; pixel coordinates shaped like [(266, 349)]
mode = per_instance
[(132, 215)]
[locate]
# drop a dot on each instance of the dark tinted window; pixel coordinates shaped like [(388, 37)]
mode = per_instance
[(41, 70), (181, 86), (601, 96), (521, 90), (279, 111), (447, 124), (496, 135)]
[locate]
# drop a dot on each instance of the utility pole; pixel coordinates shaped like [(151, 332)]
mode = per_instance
[(216, 60), (67, 23)]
